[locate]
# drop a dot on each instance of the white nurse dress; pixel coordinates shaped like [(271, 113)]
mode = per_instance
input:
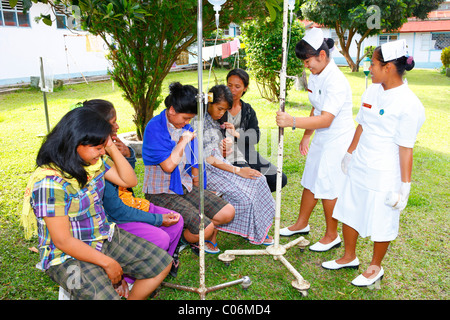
[(389, 119), (329, 91)]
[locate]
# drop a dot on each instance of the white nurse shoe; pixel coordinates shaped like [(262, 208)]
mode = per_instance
[(361, 281), (320, 247), (333, 265), (285, 232)]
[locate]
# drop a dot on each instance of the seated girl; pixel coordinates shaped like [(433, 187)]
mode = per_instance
[(79, 248), (171, 170), (241, 151), (158, 225), (245, 188)]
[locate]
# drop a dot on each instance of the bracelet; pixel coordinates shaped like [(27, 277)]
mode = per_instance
[(293, 125)]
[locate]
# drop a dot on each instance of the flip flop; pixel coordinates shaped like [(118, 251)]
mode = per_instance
[(268, 243), (264, 243), (208, 250)]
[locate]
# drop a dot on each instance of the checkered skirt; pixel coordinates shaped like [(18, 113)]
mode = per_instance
[(252, 200)]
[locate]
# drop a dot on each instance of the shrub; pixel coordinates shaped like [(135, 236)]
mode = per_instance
[(369, 50), (263, 46), (445, 57)]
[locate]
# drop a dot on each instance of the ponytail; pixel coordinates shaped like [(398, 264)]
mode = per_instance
[(304, 50), (404, 63)]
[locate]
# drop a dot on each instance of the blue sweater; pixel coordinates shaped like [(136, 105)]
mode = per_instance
[(119, 212), (158, 146)]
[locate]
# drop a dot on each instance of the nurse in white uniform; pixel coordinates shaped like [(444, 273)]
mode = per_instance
[(379, 161), (332, 121)]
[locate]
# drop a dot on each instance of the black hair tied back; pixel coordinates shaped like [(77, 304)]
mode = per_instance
[(183, 98), (409, 63), (404, 63), (304, 50)]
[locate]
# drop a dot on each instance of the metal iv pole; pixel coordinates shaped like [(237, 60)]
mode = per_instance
[(277, 250), (202, 290)]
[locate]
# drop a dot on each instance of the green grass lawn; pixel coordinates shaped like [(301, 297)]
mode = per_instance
[(417, 263)]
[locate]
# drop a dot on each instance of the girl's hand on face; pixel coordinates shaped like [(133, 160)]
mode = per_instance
[(109, 142), (109, 146), (121, 146)]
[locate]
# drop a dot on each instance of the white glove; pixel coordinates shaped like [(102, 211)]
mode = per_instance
[(345, 161), (400, 199)]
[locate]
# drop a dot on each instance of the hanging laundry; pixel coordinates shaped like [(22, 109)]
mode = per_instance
[(218, 49), (207, 53), (226, 50), (94, 44), (211, 52), (234, 46)]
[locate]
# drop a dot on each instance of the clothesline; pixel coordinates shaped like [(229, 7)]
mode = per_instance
[(223, 50)]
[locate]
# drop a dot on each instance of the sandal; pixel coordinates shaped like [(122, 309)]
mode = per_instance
[(265, 242), (268, 243), (208, 250)]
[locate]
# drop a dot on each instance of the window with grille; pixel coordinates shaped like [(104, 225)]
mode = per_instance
[(425, 43), (440, 40), (384, 38), (61, 19), (65, 18), (335, 37), (13, 17)]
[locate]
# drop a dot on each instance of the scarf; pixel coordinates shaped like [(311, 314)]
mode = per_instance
[(158, 146), (27, 218)]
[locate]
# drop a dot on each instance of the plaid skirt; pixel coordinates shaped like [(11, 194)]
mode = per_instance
[(87, 281), (252, 200), (188, 206)]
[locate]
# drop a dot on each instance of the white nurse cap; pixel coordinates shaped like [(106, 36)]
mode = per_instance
[(314, 37), (393, 50)]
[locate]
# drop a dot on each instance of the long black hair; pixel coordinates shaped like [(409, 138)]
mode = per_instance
[(183, 98), (103, 107), (304, 50), (402, 63), (79, 126)]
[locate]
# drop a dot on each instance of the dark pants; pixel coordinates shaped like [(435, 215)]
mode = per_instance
[(269, 171)]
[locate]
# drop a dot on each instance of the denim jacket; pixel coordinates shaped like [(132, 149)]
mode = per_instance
[(119, 212)]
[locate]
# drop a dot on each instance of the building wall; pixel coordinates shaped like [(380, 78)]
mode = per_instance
[(424, 57), (65, 53)]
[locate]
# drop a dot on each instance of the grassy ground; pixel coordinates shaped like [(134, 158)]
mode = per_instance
[(416, 266)]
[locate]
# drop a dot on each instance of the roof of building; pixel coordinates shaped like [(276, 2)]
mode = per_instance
[(438, 21), (426, 26)]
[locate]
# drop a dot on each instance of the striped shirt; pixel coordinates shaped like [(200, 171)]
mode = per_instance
[(55, 197)]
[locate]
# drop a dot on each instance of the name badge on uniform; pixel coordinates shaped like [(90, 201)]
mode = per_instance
[(366, 105)]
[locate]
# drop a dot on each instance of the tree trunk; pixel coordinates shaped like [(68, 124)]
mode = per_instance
[(345, 46), (358, 49), (351, 64)]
